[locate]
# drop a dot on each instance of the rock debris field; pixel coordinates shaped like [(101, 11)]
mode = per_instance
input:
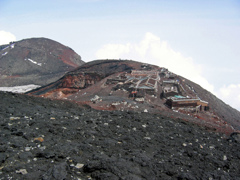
[(48, 139)]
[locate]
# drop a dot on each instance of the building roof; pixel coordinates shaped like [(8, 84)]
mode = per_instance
[(183, 99)]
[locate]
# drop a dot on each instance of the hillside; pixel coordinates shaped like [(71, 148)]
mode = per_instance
[(54, 139), (35, 61), (133, 86)]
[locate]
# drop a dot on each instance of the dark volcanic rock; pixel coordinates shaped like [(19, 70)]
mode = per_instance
[(235, 137), (83, 143), (58, 172), (36, 61)]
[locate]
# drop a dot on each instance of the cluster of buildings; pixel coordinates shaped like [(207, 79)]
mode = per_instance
[(162, 82), (173, 90)]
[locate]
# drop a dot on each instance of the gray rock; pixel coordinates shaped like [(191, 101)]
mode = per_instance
[(25, 155), (58, 172), (3, 157), (21, 171), (235, 137)]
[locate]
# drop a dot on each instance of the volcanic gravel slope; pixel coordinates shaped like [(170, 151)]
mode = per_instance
[(53, 139)]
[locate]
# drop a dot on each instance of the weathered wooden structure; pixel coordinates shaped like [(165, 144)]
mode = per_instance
[(143, 73), (170, 88), (176, 103)]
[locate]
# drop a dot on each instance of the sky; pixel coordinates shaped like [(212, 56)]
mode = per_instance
[(198, 39)]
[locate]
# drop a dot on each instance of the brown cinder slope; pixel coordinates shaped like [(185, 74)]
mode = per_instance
[(224, 111)]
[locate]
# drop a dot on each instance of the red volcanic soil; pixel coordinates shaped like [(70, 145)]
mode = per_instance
[(66, 53)]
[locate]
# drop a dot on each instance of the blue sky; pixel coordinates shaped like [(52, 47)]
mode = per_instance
[(197, 39)]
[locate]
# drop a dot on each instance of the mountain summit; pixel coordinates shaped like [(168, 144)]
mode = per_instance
[(133, 86), (36, 61)]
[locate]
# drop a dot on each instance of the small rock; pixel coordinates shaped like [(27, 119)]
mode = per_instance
[(3, 148), (22, 171), (144, 125), (60, 171), (235, 137), (14, 118), (42, 148), (224, 157), (2, 158), (184, 144), (95, 98), (148, 138), (139, 99), (79, 165), (211, 147), (145, 110), (76, 117), (27, 148), (38, 139), (25, 155)]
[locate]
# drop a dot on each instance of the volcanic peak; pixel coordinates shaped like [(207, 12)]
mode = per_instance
[(37, 61), (129, 85)]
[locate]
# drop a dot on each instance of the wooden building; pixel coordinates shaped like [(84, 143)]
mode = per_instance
[(143, 73), (176, 103)]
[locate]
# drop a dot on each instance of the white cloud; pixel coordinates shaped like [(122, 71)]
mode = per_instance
[(153, 50), (6, 37), (230, 94)]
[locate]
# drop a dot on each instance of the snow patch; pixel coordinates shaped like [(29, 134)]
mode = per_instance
[(4, 53), (5, 48), (19, 89), (32, 61), (12, 46)]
